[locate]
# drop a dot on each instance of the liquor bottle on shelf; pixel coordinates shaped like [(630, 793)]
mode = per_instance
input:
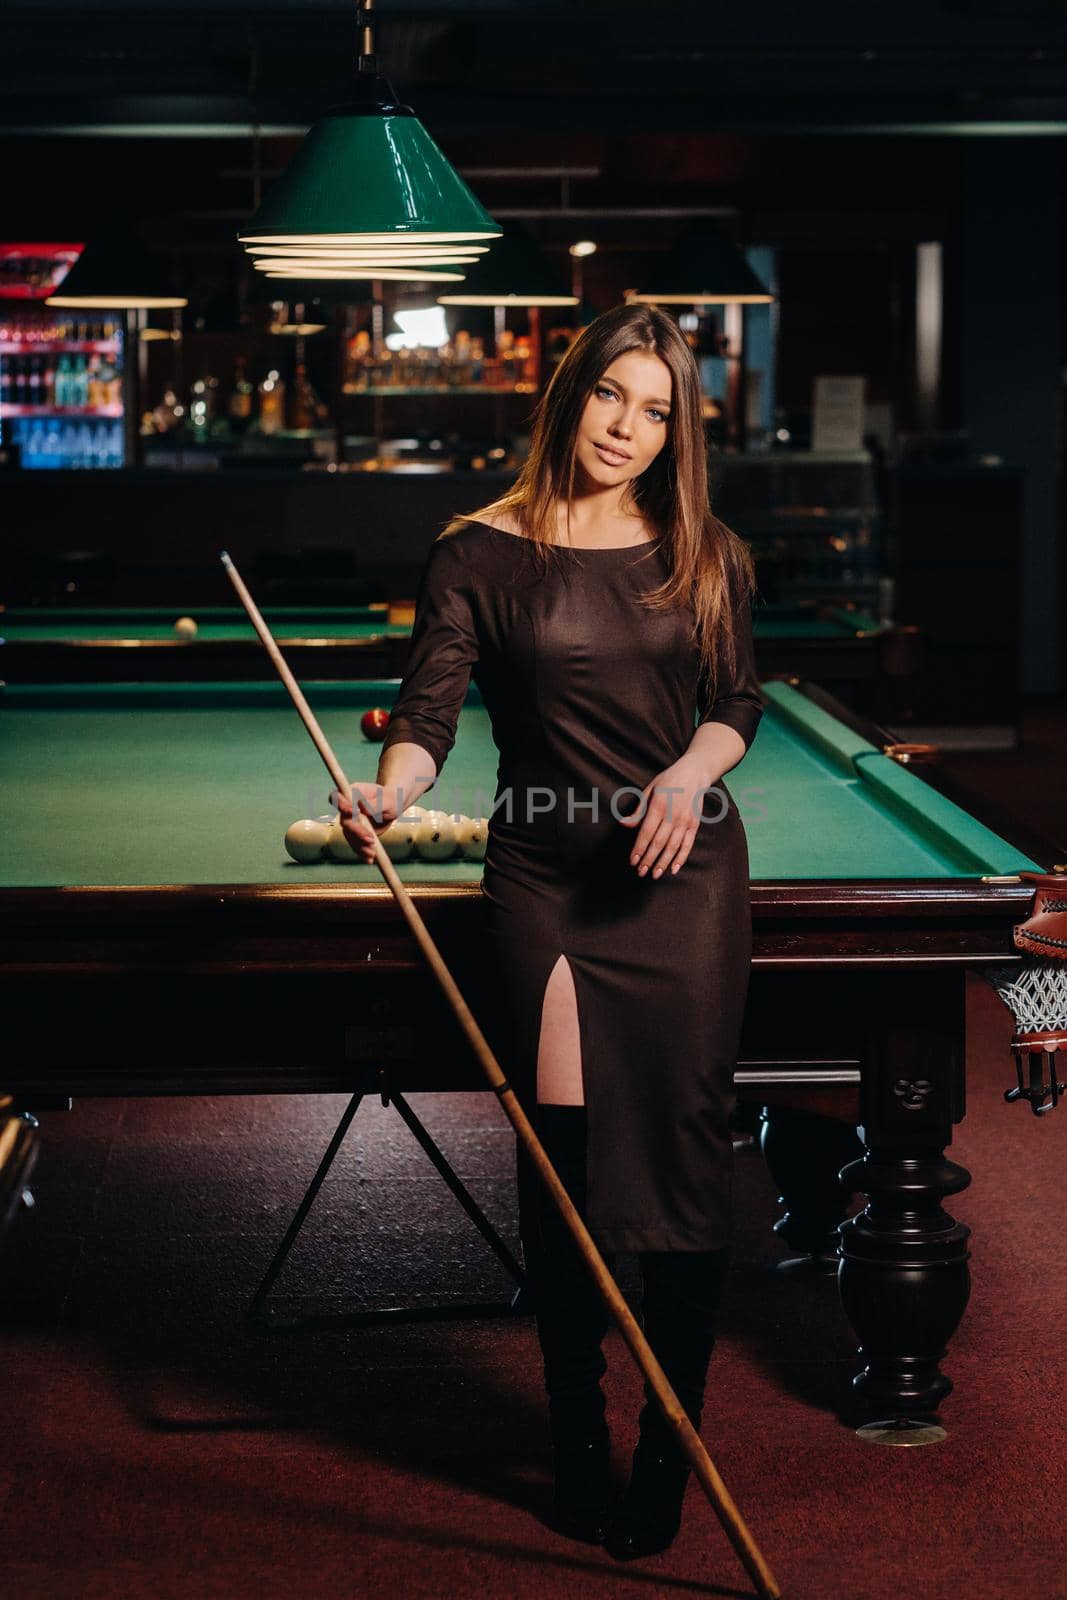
[(359, 360), (505, 347), (240, 404), (272, 403), (525, 365), (203, 405), (306, 410), (461, 359), (166, 416)]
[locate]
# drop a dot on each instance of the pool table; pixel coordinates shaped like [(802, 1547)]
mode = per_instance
[(840, 647), (128, 645), (156, 940)]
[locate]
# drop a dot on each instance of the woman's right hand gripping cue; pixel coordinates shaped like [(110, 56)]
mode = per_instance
[(371, 809)]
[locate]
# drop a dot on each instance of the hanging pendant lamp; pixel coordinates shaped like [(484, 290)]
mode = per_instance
[(514, 273), (368, 173), (116, 275), (705, 267)]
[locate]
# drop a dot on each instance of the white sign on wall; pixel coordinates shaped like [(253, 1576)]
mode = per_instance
[(838, 413)]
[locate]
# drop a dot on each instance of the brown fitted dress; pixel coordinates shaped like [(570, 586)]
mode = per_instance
[(591, 694)]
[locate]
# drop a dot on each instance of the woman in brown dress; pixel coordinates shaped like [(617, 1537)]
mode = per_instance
[(604, 613)]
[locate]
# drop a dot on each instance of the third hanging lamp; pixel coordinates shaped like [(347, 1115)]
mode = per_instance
[(705, 267), (368, 177)]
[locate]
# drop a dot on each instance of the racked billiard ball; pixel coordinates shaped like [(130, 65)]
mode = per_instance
[(472, 834), (337, 845), (374, 723), (306, 840), (398, 839), (435, 836)]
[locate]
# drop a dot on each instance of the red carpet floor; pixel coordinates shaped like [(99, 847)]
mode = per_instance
[(154, 1449)]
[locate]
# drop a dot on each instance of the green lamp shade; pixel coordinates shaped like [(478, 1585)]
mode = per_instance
[(369, 171), (118, 275), (514, 273), (705, 267)]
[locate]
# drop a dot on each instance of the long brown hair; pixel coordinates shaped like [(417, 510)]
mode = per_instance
[(711, 568)]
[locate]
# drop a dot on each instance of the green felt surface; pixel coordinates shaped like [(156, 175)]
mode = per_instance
[(771, 622), (61, 626), (179, 783), (214, 624)]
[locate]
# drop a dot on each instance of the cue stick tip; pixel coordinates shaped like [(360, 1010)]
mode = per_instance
[(224, 557)]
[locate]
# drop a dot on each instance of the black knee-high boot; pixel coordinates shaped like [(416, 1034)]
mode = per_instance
[(682, 1293), (571, 1323)]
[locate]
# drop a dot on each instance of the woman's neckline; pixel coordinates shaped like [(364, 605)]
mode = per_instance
[(584, 549)]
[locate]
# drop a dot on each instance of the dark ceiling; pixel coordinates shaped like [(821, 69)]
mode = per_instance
[(584, 66), (110, 114)]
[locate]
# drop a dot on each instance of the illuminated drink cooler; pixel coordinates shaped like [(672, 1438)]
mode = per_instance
[(157, 940)]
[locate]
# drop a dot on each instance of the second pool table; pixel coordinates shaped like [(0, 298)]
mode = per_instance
[(841, 647), (125, 644)]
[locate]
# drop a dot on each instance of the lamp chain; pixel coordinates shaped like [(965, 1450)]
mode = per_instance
[(365, 22)]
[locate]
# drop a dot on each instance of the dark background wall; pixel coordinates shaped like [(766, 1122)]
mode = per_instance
[(842, 135)]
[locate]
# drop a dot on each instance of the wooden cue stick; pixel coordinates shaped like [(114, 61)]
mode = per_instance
[(687, 1437)]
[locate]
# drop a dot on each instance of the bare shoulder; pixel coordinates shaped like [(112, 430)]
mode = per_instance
[(498, 517)]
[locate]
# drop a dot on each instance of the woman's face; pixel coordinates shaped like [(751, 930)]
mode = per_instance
[(626, 419)]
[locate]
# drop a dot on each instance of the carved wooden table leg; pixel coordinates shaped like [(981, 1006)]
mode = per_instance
[(903, 1278)]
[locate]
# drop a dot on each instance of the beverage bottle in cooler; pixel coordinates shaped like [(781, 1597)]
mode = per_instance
[(93, 389), (101, 445), (51, 450), (69, 445), (34, 444)]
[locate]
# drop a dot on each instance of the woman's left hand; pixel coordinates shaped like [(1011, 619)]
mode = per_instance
[(668, 817)]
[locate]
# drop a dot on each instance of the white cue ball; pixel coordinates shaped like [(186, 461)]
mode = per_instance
[(435, 836), (306, 840), (185, 628), (472, 834), (398, 839), (338, 845)]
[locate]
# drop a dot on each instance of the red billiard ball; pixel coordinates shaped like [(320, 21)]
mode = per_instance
[(374, 723)]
